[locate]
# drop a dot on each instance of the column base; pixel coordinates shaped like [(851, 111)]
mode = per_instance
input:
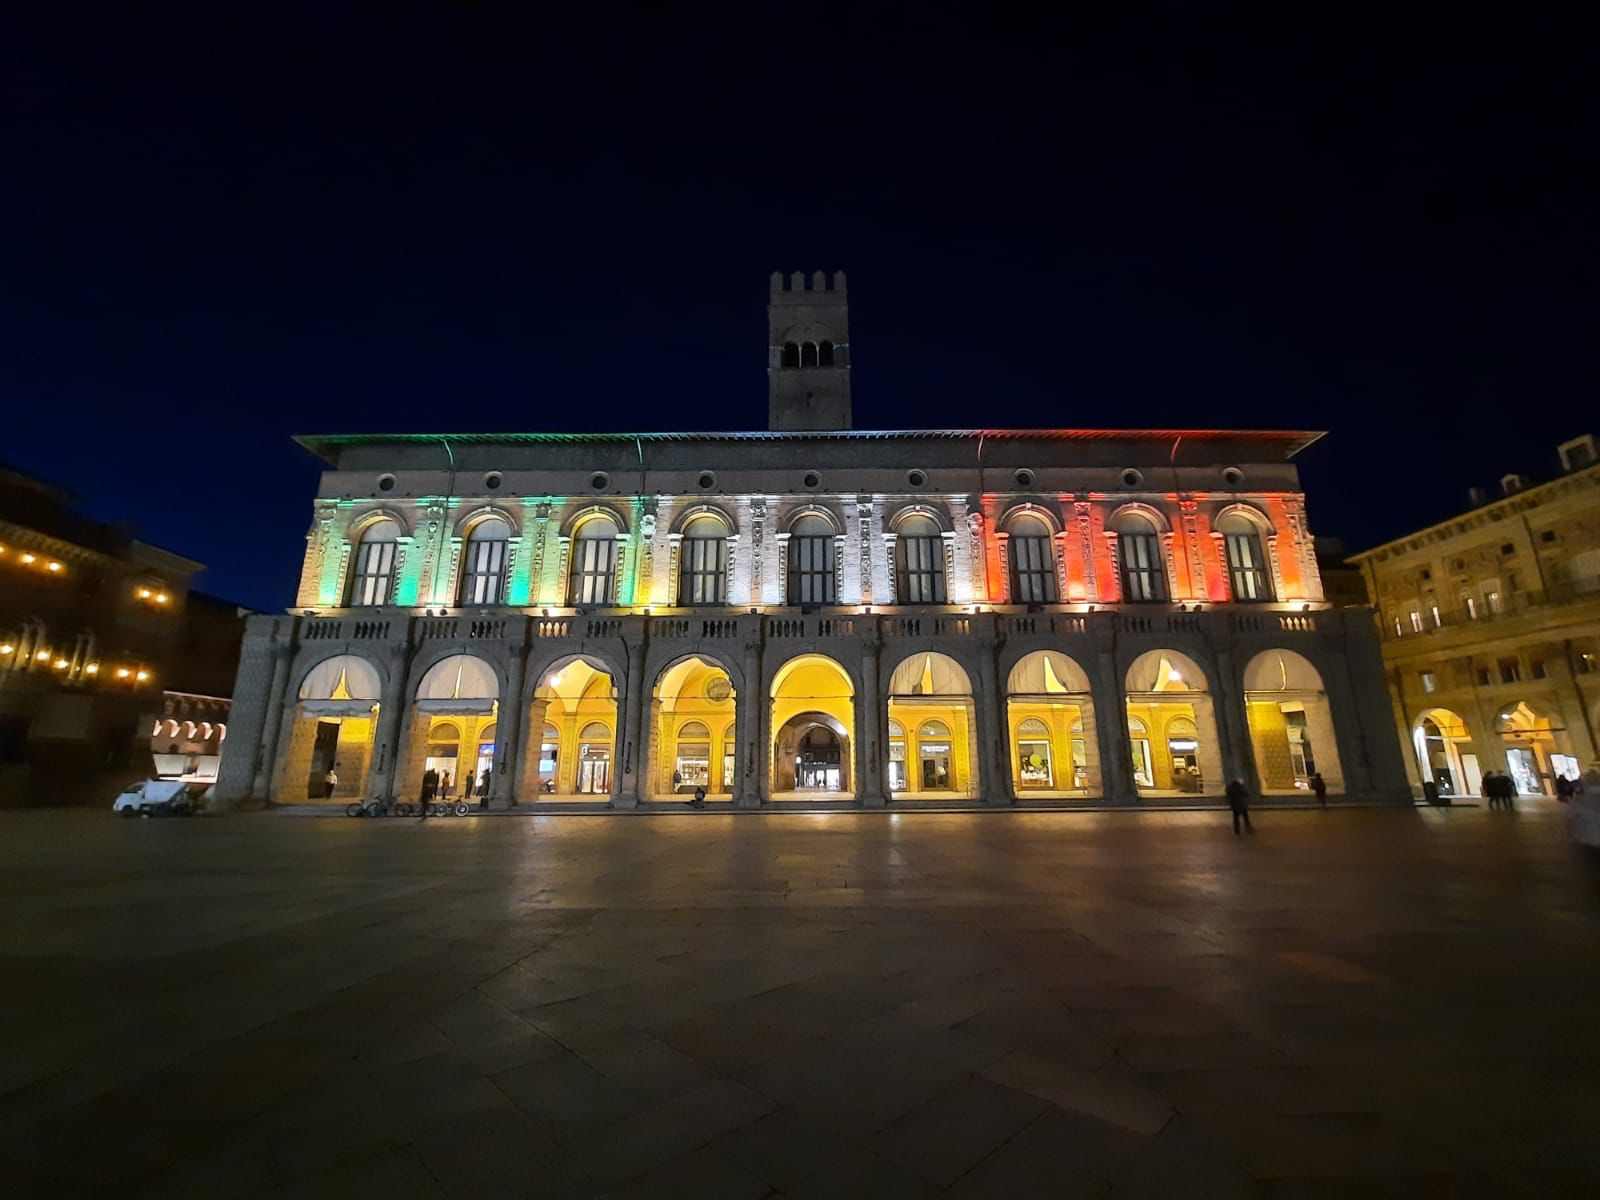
[(621, 801), (874, 802)]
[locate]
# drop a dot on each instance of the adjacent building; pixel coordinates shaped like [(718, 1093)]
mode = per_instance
[(95, 628), (1491, 632), (811, 612)]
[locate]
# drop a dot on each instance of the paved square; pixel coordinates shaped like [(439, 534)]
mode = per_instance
[(1354, 1003)]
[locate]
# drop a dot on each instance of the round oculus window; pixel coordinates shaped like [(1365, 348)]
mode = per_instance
[(1132, 478), (916, 478), (707, 480), (1233, 477), (493, 480), (811, 479), (1024, 478), (599, 481), (718, 688), (386, 483)]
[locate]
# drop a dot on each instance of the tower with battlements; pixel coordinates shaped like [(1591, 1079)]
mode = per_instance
[(808, 353)]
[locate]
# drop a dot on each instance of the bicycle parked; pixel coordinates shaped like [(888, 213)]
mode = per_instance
[(378, 807), (449, 808)]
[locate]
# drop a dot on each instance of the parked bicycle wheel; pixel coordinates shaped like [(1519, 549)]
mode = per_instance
[(402, 809), (357, 809), (374, 808), (462, 808)]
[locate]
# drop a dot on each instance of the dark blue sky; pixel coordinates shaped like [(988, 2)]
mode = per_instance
[(218, 229)]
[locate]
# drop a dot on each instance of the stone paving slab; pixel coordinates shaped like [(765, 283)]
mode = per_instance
[(1353, 1003)]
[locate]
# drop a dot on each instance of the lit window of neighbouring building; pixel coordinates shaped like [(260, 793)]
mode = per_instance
[(1510, 670), (1429, 682), (1416, 621)]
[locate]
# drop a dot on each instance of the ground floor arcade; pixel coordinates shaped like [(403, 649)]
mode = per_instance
[(858, 712)]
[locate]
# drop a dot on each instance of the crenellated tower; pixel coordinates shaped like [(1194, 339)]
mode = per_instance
[(808, 353)]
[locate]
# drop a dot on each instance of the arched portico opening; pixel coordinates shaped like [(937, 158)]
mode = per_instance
[(930, 698), (1050, 722), (1291, 724), (813, 719), (691, 741), (1172, 727), (455, 704), (572, 717), (1446, 756), (1532, 743), (332, 729)]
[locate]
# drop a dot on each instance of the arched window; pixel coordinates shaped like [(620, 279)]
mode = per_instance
[(594, 562), (825, 354), (791, 354), (1033, 754), (484, 579), (919, 562), (373, 581), (1033, 561), (1248, 578), (808, 354), (811, 578), (703, 565), (1144, 577)]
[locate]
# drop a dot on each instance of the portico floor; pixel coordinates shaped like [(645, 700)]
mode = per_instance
[(1353, 1003)]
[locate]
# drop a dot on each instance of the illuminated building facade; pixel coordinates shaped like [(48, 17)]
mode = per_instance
[(95, 626), (811, 612), (1491, 633)]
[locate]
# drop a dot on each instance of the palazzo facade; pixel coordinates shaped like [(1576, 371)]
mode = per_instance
[(1491, 633), (811, 612)]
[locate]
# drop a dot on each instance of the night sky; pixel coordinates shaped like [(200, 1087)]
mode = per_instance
[(220, 228)]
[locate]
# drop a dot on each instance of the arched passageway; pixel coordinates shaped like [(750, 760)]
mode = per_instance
[(935, 756), (692, 741), (1291, 725), (813, 723), (1535, 747), (333, 728), (1446, 756), (572, 718), (1050, 723), (1172, 727), (454, 706)]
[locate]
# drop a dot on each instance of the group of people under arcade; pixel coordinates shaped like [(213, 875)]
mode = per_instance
[(437, 785)]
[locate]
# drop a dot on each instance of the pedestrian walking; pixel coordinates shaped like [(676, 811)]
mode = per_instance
[(444, 787), (329, 782), (430, 789), (1319, 786), (677, 781), (1239, 803)]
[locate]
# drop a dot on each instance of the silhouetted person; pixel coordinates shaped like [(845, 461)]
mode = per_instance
[(430, 789), (699, 800), (1319, 786), (483, 789), (329, 782), (1239, 803), (444, 786)]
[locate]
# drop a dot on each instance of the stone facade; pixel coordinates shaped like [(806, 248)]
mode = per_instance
[(1491, 634), (811, 612), (858, 487)]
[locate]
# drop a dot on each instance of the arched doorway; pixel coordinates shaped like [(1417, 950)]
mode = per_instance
[(1291, 725), (333, 728), (1051, 722), (572, 717), (1445, 754), (692, 729), (1532, 742), (813, 717), (930, 699), (455, 702), (1172, 727)]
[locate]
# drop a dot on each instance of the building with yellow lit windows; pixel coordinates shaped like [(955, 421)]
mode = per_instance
[(811, 613), (111, 668)]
